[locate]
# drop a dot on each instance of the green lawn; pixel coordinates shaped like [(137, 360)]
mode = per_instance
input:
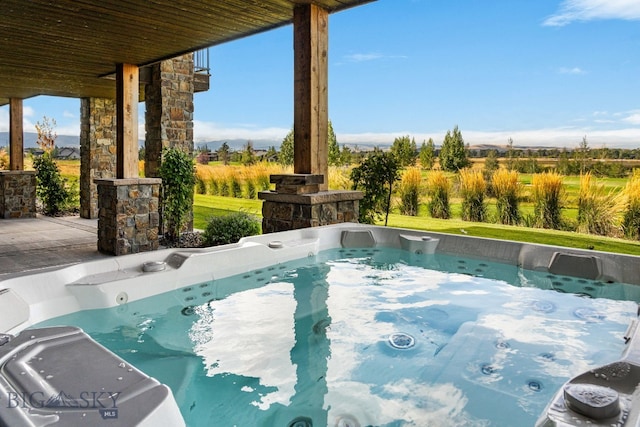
[(520, 234), (207, 206)]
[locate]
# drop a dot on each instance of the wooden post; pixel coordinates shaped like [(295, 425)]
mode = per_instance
[(311, 45), (127, 87), (16, 135)]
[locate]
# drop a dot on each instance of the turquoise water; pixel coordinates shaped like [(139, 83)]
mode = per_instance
[(369, 337)]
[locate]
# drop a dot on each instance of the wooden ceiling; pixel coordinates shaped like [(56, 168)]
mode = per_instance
[(67, 47)]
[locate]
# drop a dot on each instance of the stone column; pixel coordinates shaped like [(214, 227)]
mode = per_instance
[(17, 186), (17, 194), (128, 220), (169, 113), (297, 203), (169, 110), (97, 150), (303, 200)]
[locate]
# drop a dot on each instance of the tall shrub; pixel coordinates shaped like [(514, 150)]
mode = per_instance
[(548, 198), (438, 189), (410, 191), (375, 176), (631, 220), (597, 208), (506, 187), (178, 179), (221, 230), (473, 189), (51, 188)]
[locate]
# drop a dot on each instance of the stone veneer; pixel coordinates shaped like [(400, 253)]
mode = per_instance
[(17, 194), (128, 217), (169, 110), (296, 203), (97, 149)]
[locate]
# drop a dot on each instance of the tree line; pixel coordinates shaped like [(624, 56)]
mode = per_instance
[(452, 154)]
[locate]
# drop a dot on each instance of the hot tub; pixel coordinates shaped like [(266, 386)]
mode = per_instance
[(395, 351)]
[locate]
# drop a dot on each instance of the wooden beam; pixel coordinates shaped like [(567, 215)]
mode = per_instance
[(127, 121), (16, 135), (310, 124)]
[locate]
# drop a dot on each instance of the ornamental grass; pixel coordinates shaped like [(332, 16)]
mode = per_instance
[(340, 178), (410, 191), (4, 159), (439, 189), (598, 209), (631, 219), (506, 187), (473, 188), (548, 198)]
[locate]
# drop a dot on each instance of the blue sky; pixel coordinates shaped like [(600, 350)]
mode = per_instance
[(543, 72)]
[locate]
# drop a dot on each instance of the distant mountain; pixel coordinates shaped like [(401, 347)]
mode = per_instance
[(30, 139), (238, 144)]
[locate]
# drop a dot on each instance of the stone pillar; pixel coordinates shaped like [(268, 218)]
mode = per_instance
[(297, 203), (302, 200), (169, 113), (128, 218), (169, 110), (17, 194), (97, 150)]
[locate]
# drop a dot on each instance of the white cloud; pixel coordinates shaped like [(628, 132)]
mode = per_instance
[(364, 57), (574, 70), (361, 57), (588, 10), (28, 111), (4, 120), (633, 117), (68, 114)]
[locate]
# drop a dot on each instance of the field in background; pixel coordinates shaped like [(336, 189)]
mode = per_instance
[(207, 205)]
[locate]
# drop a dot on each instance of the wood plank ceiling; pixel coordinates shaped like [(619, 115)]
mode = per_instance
[(67, 47)]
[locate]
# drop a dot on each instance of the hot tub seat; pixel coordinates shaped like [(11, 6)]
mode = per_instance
[(59, 376)]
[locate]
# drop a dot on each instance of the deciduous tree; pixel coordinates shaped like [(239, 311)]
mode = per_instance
[(375, 176)]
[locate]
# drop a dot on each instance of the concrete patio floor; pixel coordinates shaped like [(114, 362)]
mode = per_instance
[(31, 245)]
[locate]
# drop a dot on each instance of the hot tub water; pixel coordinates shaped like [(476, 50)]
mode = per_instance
[(372, 336)]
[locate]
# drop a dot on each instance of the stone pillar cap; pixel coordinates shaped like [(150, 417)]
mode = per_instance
[(296, 179)]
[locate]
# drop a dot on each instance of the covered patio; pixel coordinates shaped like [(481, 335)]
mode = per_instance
[(110, 55)]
